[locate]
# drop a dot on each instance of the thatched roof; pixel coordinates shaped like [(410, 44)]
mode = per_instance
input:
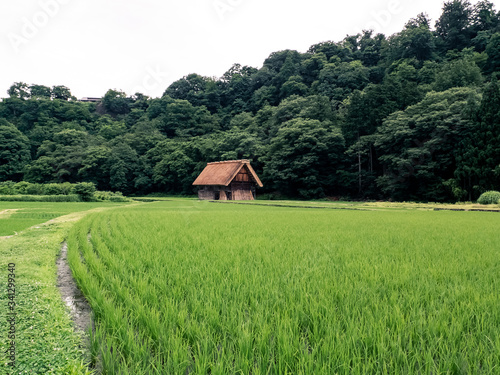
[(223, 172)]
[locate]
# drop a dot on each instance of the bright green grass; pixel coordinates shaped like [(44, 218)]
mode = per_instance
[(187, 287), (46, 342), (461, 206), (32, 213)]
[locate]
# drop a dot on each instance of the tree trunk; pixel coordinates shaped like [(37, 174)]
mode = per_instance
[(359, 172)]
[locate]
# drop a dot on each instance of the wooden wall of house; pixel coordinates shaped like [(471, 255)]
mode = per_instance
[(243, 175), (206, 194), (241, 191), (242, 195), (238, 190)]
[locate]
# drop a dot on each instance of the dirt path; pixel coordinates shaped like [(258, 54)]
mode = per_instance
[(81, 313), (72, 296), (6, 213)]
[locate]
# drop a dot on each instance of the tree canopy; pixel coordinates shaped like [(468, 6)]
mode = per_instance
[(413, 115)]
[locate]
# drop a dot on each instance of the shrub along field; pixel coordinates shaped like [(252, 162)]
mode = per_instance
[(195, 287)]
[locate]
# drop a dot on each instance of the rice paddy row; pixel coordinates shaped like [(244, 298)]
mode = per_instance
[(193, 287), (18, 216)]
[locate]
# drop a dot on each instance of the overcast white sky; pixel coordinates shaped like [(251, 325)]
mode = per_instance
[(144, 45)]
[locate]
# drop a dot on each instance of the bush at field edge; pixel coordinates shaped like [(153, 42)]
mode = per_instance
[(74, 192), (489, 197), (40, 198)]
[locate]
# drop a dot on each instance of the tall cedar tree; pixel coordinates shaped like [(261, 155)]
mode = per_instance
[(479, 163)]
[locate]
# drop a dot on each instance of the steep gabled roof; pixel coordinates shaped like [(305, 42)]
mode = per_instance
[(223, 172)]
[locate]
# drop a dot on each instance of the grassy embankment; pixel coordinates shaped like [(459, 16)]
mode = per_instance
[(197, 287), (45, 340), (379, 205)]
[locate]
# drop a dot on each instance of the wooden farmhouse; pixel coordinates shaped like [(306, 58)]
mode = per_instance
[(228, 180)]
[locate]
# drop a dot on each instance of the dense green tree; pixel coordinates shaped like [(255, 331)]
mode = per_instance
[(303, 159), (453, 28), (263, 96), (198, 90), (276, 71), (174, 164), (116, 102), (338, 80), (365, 111), (19, 90), (243, 120), (190, 88), (41, 170), (283, 64), (314, 107), (61, 157), (458, 73), (478, 153), (14, 152), (121, 166), (143, 136), (371, 48), (93, 166), (357, 124), (235, 144), (416, 146), (329, 49), (61, 93), (403, 82), (264, 121), (485, 22), (415, 41), (71, 137), (108, 128), (174, 173), (311, 67), (40, 92), (85, 190), (180, 118), (294, 86), (493, 53), (368, 116), (236, 88)]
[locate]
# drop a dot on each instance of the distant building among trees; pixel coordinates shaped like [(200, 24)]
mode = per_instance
[(90, 100), (228, 180)]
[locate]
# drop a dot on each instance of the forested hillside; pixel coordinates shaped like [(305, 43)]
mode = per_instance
[(411, 116)]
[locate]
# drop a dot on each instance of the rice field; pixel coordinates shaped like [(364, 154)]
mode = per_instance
[(187, 287), (17, 216)]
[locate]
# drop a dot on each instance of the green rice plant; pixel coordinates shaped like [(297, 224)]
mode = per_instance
[(183, 287), (46, 342), (16, 216)]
